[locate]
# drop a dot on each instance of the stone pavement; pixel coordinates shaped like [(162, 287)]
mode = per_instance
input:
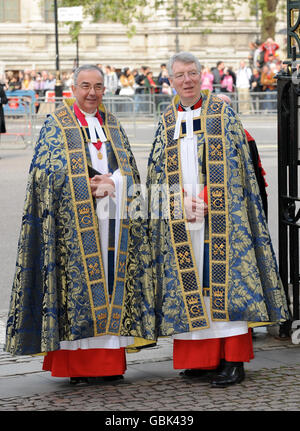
[(151, 385)]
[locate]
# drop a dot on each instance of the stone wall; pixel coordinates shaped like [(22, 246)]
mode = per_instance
[(31, 43)]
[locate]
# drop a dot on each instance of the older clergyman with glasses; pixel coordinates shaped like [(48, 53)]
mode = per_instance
[(73, 296), (214, 269)]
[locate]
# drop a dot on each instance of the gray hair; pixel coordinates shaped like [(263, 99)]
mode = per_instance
[(86, 67), (184, 57)]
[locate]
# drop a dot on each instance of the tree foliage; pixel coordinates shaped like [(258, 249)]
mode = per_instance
[(131, 11)]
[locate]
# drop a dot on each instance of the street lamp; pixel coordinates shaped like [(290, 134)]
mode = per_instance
[(58, 83)]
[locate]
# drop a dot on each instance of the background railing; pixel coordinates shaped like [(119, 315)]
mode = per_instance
[(26, 111)]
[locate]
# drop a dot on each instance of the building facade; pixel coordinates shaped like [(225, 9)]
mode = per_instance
[(27, 39)]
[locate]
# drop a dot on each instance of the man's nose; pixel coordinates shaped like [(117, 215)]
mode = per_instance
[(92, 90), (186, 77)]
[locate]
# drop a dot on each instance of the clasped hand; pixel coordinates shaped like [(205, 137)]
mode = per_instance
[(102, 185), (195, 209)]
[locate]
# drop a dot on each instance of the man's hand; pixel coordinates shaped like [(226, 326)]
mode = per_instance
[(195, 209), (102, 185)]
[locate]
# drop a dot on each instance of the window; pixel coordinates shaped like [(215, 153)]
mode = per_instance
[(10, 11)]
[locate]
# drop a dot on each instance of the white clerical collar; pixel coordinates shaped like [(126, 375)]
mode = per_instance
[(187, 108), (188, 116), (88, 114), (194, 106), (94, 126)]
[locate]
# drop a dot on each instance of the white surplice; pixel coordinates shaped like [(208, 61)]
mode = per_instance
[(190, 178), (101, 165)]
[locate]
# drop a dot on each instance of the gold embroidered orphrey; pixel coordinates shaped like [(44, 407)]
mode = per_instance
[(107, 315), (212, 127)]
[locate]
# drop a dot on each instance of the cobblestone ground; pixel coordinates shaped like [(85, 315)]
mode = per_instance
[(264, 390)]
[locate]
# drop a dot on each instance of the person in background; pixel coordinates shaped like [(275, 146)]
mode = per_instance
[(163, 71), (243, 77), (150, 83), (141, 99), (163, 79), (218, 73), (3, 101), (268, 84), (28, 82), (207, 79), (255, 90), (14, 82), (50, 82), (127, 83), (227, 82), (110, 81), (269, 48)]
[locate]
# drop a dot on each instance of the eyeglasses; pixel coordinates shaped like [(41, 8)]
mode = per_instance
[(180, 76), (87, 87)]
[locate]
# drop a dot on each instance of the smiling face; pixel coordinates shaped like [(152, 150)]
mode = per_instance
[(186, 80), (89, 90)]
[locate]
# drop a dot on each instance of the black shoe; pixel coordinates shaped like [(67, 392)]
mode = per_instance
[(232, 373), (112, 378), (78, 380), (196, 372), (221, 366)]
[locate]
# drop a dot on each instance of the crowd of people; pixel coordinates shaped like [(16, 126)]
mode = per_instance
[(252, 84), (124, 82)]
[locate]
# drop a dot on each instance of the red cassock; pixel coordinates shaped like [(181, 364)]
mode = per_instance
[(86, 362), (206, 354)]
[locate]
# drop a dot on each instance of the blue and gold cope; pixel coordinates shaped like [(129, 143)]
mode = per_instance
[(59, 290), (244, 282)]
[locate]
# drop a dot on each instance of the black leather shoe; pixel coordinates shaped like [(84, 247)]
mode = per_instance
[(232, 373), (113, 378), (195, 372), (202, 373), (78, 380)]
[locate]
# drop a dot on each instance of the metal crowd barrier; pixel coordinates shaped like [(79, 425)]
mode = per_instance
[(25, 113), (18, 115), (256, 103)]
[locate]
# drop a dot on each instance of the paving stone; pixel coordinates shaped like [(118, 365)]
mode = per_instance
[(276, 387)]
